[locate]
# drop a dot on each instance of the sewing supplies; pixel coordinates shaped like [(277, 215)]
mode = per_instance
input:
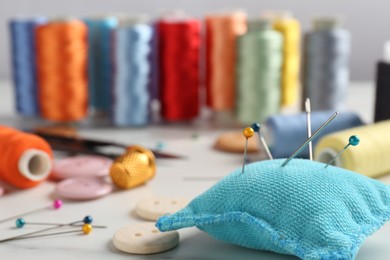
[(100, 62), (144, 238), (85, 220), (28, 163), (257, 128), (284, 133), (20, 223), (222, 30), (154, 207), (59, 82), (369, 159), (134, 168), (289, 27), (232, 142), (326, 71), (131, 75), (81, 166), (23, 63), (57, 204), (353, 140), (259, 64), (248, 133), (308, 124), (316, 133), (91, 146), (179, 40), (56, 130), (382, 108), (83, 188)]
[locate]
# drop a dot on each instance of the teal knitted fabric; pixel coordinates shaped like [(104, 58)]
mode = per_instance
[(301, 209)]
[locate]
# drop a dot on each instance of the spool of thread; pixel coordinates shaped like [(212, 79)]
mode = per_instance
[(291, 31), (179, 63), (369, 158), (382, 104), (62, 70), (132, 68), (222, 30), (22, 32), (26, 159), (100, 63), (285, 133), (326, 75), (258, 72)]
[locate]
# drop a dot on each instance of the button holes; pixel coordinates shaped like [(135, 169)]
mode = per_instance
[(155, 231), (174, 202), (137, 234), (156, 202)]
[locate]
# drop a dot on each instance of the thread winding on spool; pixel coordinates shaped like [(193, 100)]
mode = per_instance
[(222, 31), (284, 133), (132, 68), (62, 69), (100, 64), (179, 62), (326, 72), (291, 31), (22, 32), (26, 159), (382, 105), (258, 72), (370, 158)]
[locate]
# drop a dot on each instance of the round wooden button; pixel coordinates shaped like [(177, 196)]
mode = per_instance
[(144, 238), (155, 207), (234, 142)]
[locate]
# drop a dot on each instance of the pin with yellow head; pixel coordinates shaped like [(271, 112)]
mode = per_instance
[(248, 133)]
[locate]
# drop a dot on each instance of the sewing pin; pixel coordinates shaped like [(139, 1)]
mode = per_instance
[(353, 140), (316, 133), (308, 122), (86, 229), (248, 133), (57, 204), (257, 128), (20, 223), (86, 220)]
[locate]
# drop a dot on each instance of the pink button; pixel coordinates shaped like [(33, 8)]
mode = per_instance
[(81, 166), (83, 188)]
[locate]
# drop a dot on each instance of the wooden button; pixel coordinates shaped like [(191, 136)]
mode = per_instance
[(155, 207)]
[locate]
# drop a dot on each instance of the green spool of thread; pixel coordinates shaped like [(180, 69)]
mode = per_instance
[(259, 72)]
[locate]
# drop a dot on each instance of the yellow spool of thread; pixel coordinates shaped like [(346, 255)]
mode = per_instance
[(370, 157), (291, 31)]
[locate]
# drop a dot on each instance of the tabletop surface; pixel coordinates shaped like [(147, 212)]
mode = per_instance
[(178, 178)]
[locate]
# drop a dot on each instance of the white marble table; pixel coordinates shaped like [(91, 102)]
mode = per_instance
[(116, 209)]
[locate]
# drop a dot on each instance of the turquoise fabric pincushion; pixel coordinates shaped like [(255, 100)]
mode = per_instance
[(301, 209)]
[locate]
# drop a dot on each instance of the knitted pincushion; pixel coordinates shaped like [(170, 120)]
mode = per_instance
[(300, 209)]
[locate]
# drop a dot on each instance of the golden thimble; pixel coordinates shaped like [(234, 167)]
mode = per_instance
[(134, 168)]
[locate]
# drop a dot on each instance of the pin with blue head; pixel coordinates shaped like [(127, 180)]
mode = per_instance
[(353, 140), (248, 133), (257, 128)]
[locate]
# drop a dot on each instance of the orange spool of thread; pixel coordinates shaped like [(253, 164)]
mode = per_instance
[(62, 70), (25, 159), (222, 31)]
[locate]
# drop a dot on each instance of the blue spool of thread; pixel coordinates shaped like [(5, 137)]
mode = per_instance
[(131, 80), (285, 133), (100, 64), (326, 76), (22, 32)]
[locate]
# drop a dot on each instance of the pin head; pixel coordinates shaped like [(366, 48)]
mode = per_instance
[(57, 204), (87, 219), (354, 140), (87, 228), (248, 132), (20, 223), (256, 127)]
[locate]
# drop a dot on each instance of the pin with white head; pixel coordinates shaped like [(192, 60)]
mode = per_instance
[(248, 133), (316, 133), (257, 128), (308, 123), (353, 140)]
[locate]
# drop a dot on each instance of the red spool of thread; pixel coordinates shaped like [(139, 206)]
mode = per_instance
[(62, 70), (25, 159), (179, 60)]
